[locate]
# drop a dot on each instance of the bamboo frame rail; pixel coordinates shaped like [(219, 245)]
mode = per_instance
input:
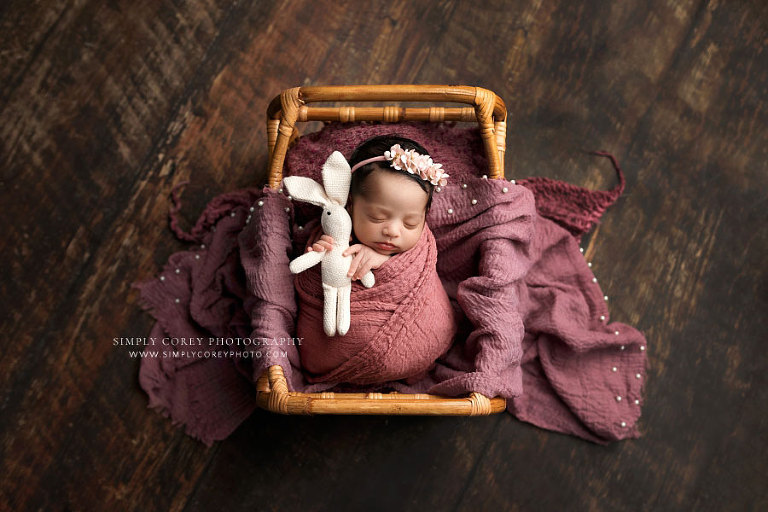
[(290, 107), (272, 394)]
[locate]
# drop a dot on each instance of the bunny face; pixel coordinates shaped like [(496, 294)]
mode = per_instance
[(337, 223)]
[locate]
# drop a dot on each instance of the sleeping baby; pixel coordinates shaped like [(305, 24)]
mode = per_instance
[(401, 325), (388, 205)]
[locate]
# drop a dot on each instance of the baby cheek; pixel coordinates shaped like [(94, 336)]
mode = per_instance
[(415, 236), (356, 228), (359, 229)]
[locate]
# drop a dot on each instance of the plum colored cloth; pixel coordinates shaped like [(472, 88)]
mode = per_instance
[(398, 328), (532, 324)]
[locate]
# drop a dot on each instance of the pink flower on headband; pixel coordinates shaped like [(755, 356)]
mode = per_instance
[(415, 163)]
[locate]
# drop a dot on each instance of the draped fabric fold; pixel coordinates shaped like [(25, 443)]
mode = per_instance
[(531, 325)]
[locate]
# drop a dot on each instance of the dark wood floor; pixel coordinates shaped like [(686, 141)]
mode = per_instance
[(104, 106)]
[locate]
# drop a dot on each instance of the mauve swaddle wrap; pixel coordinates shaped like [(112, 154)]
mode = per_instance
[(536, 329), (398, 328)]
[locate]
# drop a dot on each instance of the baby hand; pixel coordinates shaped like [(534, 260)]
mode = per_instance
[(324, 243), (314, 236), (365, 259)]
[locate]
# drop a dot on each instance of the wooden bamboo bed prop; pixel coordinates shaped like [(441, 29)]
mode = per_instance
[(290, 107)]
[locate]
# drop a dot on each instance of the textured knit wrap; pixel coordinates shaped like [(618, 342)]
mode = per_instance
[(398, 328)]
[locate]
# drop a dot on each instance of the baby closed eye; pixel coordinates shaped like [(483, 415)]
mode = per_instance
[(406, 224)]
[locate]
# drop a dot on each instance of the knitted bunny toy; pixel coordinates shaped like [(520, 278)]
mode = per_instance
[(337, 223)]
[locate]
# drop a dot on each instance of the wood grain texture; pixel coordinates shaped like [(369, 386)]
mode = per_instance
[(104, 106)]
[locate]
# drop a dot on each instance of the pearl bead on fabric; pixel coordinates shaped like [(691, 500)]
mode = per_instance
[(474, 201), (615, 369)]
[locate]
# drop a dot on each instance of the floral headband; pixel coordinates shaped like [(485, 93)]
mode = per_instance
[(412, 162)]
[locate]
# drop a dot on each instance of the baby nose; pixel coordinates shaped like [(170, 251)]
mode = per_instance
[(392, 230)]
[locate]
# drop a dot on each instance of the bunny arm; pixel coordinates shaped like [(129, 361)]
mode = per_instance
[(305, 261), (368, 280)]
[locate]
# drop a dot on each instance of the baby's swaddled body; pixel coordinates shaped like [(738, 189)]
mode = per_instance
[(401, 325), (398, 328)]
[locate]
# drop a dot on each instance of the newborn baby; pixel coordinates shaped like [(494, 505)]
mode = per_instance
[(393, 179), (388, 207)]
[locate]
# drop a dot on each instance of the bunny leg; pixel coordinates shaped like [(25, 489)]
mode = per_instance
[(330, 297), (342, 310)]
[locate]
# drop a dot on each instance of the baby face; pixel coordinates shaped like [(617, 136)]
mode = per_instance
[(391, 218)]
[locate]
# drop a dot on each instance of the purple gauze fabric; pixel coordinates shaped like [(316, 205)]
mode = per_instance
[(540, 333)]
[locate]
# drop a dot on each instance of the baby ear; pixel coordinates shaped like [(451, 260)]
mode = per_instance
[(337, 175), (305, 189)]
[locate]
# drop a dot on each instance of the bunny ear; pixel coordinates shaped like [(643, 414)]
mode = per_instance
[(337, 176), (305, 189)]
